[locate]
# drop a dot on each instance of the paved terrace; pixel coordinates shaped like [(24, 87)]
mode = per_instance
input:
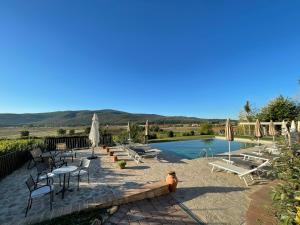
[(218, 198)]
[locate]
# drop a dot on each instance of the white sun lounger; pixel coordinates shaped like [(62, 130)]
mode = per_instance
[(240, 171), (253, 156)]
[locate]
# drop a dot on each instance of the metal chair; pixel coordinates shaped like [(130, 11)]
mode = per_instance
[(37, 191), (64, 152), (36, 157), (43, 173), (84, 168)]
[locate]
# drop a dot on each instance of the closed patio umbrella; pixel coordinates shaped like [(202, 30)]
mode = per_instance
[(283, 128), (146, 131), (94, 135), (147, 128), (229, 136), (128, 130), (272, 130), (298, 126), (293, 127), (258, 131)]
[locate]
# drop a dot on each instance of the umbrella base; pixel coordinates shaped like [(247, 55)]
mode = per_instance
[(92, 157)]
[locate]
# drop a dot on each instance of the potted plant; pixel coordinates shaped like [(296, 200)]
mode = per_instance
[(122, 164), (107, 150), (111, 153), (115, 158)]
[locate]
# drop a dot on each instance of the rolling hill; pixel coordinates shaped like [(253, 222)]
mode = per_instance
[(83, 117)]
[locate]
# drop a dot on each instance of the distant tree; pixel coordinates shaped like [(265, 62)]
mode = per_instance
[(279, 109), (155, 128), (206, 129), (24, 133), (61, 131), (192, 133), (136, 133), (170, 133), (71, 132), (87, 130), (152, 136), (247, 109)]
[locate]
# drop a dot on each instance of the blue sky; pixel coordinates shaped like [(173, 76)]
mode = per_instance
[(194, 58)]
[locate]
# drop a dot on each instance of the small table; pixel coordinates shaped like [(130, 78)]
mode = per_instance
[(64, 170)]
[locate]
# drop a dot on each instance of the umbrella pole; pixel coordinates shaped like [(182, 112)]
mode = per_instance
[(229, 151), (258, 146)]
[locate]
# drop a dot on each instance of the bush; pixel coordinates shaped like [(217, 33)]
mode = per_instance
[(191, 133), (152, 136), (24, 134), (61, 131), (87, 130), (206, 129), (7, 146), (186, 134), (170, 133), (286, 195), (122, 164), (155, 128), (71, 132)]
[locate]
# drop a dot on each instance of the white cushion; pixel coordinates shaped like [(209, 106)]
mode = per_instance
[(44, 176), (67, 154), (79, 172), (41, 191)]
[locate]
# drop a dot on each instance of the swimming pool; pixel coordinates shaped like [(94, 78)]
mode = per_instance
[(194, 148)]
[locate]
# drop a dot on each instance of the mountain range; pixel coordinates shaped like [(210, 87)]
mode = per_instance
[(83, 118)]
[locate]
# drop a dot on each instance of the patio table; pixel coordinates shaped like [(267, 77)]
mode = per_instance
[(64, 170)]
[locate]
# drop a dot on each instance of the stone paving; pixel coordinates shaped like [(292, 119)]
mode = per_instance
[(155, 211), (216, 198)]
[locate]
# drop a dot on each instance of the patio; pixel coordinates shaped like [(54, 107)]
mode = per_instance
[(218, 198)]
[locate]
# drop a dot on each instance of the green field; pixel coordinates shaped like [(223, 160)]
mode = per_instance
[(14, 132)]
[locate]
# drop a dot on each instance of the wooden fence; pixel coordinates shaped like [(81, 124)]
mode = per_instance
[(12, 161), (75, 141)]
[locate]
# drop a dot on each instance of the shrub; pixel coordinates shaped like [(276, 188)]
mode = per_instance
[(152, 136), (155, 128), (170, 133), (122, 164), (286, 195), (61, 131), (206, 129), (186, 134), (87, 130), (191, 133), (7, 146), (71, 131), (24, 133)]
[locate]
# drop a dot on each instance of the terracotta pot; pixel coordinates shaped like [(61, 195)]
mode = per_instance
[(107, 150), (111, 153), (115, 158), (104, 146), (172, 181)]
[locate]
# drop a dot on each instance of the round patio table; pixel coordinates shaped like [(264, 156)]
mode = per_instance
[(63, 171)]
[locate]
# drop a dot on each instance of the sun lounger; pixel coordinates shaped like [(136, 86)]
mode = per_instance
[(243, 173), (254, 156)]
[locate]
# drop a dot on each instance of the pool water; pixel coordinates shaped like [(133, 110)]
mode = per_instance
[(195, 148)]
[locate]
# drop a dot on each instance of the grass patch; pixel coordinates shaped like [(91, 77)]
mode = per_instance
[(181, 138), (84, 217)]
